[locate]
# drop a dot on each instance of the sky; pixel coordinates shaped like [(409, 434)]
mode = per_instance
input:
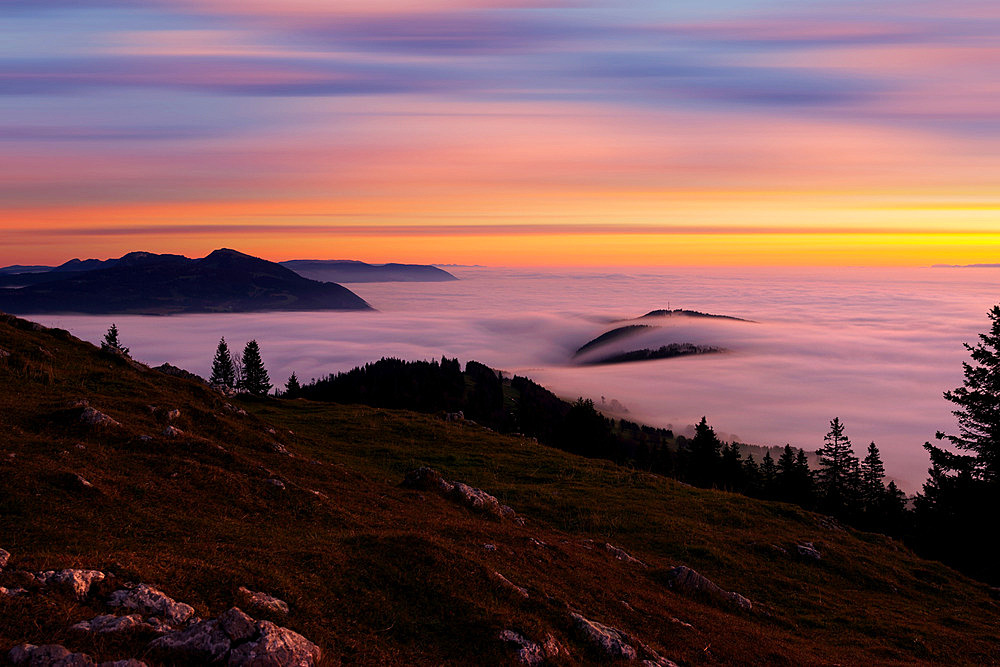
[(503, 132)]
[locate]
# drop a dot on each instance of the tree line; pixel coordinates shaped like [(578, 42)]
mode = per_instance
[(945, 522)]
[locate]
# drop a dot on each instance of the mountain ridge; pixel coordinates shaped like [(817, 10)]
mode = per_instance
[(159, 284)]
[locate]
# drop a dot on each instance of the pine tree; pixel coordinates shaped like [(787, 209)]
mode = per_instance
[(838, 468), (872, 476), (111, 341), (223, 369), (768, 475), (705, 450), (292, 387), (978, 412), (255, 379)]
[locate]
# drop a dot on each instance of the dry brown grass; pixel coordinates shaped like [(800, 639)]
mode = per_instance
[(377, 574)]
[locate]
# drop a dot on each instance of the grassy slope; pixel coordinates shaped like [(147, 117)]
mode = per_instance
[(379, 574)]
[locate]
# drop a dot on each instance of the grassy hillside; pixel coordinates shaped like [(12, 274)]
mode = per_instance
[(379, 574)]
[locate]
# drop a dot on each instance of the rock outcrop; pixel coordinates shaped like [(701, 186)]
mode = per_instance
[(202, 643), (275, 646), (48, 655), (94, 417), (686, 581), (261, 602), (151, 601), (623, 555), (527, 651), (75, 582), (808, 551), (110, 624), (477, 500), (610, 642)]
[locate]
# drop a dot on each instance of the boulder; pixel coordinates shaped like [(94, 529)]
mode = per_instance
[(4, 558), (202, 643), (173, 415), (172, 432), (47, 655), (93, 417), (807, 550), (261, 602), (76, 582), (611, 642), (237, 625), (275, 647), (109, 623), (11, 592), (685, 580), (275, 482), (528, 652), (148, 600)]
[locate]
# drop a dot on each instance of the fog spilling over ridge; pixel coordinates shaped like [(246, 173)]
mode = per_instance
[(875, 347)]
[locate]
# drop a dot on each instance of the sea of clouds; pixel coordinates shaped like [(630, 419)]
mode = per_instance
[(875, 347)]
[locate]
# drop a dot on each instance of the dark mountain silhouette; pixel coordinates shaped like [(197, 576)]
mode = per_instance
[(147, 283), (352, 271)]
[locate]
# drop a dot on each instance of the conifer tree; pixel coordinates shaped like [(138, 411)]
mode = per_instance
[(978, 411), (255, 379), (111, 341), (872, 476), (768, 475), (839, 471), (223, 368), (292, 387), (705, 450)]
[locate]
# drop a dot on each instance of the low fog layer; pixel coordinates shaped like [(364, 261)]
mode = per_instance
[(875, 347)]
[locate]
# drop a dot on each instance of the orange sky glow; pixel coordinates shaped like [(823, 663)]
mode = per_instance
[(504, 133)]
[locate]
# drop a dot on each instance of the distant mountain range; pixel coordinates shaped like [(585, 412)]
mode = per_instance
[(352, 271), (225, 281), (965, 266)]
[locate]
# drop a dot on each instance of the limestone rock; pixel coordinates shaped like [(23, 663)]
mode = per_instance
[(72, 481), (610, 641), (528, 652), (148, 600), (511, 587), (237, 625), (551, 647), (172, 432), (108, 624), (4, 558), (275, 482), (685, 580), (11, 592), (275, 647), (623, 555), (202, 643), (47, 655), (77, 582), (173, 415), (807, 550), (427, 479), (95, 418), (261, 602)]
